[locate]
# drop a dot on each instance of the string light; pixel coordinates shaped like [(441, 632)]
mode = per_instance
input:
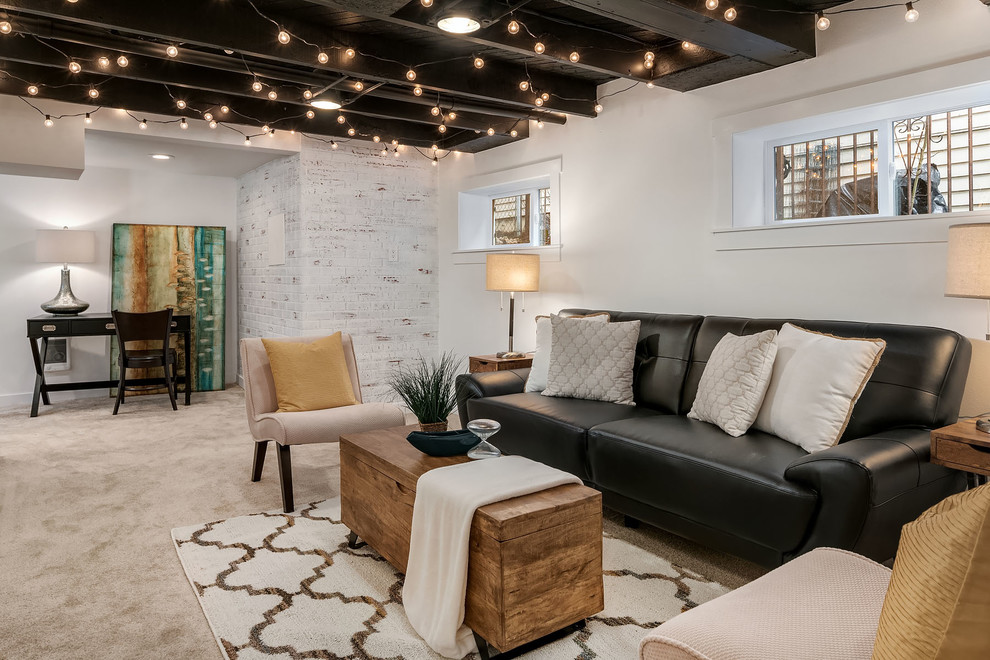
[(384, 152), (284, 37), (451, 115), (307, 94), (208, 116), (711, 5), (172, 51), (490, 131), (143, 125), (911, 15), (435, 111), (598, 108), (272, 133), (333, 145), (539, 123), (183, 124), (213, 124), (730, 14), (823, 21), (122, 61), (434, 147), (322, 57), (539, 47), (417, 90), (180, 104), (256, 86), (310, 114), (341, 119), (395, 143), (32, 90), (375, 138), (247, 141), (650, 85), (104, 61), (93, 93), (410, 75), (224, 109), (545, 96), (539, 100), (75, 67), (359, 85), (426, 3), (524, 85), (352, 132), (687, 45), (350, 53), (272, 95), (479, 63), (442, 128), (435, 161), (395, 152), (88, 118), (49, 122), (6, 27), (514, 132), (574, 57), (265, 128)]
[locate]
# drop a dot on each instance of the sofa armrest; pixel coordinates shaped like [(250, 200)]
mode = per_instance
[(869, 487), (487, 383)]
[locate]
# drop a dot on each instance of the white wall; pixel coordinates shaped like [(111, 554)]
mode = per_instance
[(101, 197), (639, 199)]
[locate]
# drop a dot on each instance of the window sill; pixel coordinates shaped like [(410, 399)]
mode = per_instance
[(477, 255), (929, 228)]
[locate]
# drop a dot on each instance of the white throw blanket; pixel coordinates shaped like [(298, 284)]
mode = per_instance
[(436, 576)]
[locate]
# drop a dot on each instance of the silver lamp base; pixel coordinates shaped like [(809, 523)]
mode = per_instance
[(65, 303)]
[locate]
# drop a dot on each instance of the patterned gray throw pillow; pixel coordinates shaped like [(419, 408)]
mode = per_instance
[(592, 360)]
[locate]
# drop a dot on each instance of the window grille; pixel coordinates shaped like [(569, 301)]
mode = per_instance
[(510, 220), (544, 229)]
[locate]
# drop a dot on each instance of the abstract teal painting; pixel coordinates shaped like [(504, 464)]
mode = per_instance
[(181, 267)]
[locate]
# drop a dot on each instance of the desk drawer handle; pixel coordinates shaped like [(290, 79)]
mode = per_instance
[(48, 328), (110, 326), (980, 448)]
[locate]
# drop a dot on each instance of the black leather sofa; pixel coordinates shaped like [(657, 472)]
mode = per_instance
[(756, 496)]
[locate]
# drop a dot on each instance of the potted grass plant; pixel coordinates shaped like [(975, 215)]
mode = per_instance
[(427, 389)]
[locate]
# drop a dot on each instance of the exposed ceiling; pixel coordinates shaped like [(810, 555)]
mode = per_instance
[(377, 52)]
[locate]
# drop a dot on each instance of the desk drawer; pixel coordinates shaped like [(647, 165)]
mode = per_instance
[(48, 327), (92, 326), (962, 456)]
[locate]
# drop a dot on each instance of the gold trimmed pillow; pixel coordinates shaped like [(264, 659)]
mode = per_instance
[(310, 376), (816, 381), (938, 602)]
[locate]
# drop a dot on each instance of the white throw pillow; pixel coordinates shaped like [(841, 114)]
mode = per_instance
[(592, 360), (537, 381), (816, 381), (735, 381)]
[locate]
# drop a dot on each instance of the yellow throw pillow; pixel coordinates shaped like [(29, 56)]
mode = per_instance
[(310, 376), (938, 603)]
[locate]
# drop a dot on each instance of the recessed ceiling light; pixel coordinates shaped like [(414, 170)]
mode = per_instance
[(458, 24), (162, 156)]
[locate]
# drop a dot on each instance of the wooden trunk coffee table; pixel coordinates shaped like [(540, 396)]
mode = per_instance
[(535, 562)]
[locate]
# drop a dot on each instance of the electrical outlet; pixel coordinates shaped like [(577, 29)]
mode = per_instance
[(393, 254)]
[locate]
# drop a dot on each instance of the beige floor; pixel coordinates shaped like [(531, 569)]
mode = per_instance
[(87, 568)]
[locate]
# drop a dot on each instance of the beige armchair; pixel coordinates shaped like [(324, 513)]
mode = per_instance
[(300, 428)]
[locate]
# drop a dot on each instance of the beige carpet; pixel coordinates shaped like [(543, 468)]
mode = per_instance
[(87, 567)]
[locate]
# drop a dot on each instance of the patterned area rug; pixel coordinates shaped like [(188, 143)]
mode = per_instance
[(286, 586)]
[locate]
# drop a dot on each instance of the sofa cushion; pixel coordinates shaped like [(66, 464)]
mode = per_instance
[(540, 369), (547, 429), (592, 361), (691, 468)]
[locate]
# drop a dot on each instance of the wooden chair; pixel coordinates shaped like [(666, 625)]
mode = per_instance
[(145, 327), (298, 428)]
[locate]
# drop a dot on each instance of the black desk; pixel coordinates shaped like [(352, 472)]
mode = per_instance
[(89, 325)]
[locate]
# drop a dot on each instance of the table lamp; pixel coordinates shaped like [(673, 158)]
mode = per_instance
[(968, 271), (515, 273), (65, 246)]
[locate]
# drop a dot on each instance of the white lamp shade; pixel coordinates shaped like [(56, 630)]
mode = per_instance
[(968, 270), (65, 246), (512, 272)]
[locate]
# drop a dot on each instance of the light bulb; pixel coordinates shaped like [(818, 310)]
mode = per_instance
[(359, 85), (539, 100), (322, 57), (384, 152), (490, 131), (650, 85), (479, 63), (310, 114), (265, 128), (410, 75), (75, 67), (417, 90), (574, 57), (143, 125), (435, 111), (122, 61), (88, 118), (730, 14), (442, 128), (711, 4), (426, 3), (6, 27), (375, 138), (513, 132), (208, 116), (256, 86), (104, 61), (649, 55), (598, 108), (183, 124), (94, 93), (545, 96), (48, 121), (513, 27), (435, 161), (213, 124), (307, 94), (352, 132), (434, 147), (648, 63), (687, 45), (451, 115), (272, 95), (341, 119), (333, 145), (284, 37), (823, 21), (395, 143), (911, 15), (539, 123), (539, 47), (32, 90), (350, 53), (272, 133), (172, 51), (180, 104), (524, 85), (396, 153), (247, 142), (224, 109)]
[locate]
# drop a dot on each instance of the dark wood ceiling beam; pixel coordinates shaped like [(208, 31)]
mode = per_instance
[(179, 78), (773, 38), (142, 97), (474, 143), (220, 26)]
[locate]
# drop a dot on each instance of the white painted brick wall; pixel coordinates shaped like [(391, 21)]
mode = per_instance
[(345, 211)]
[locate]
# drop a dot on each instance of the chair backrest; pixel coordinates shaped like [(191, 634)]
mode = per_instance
[(142, 326), (259, 386)]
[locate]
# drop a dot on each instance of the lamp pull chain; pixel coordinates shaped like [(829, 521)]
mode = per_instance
[(523, 307), (501, 307), (988, 319)]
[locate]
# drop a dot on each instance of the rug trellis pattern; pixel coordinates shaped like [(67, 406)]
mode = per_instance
[(286, 586)]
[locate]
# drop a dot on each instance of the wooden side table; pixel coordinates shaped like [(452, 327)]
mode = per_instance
[(494, 363), (962, 447)]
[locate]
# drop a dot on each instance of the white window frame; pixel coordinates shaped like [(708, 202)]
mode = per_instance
[(534, 213)]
